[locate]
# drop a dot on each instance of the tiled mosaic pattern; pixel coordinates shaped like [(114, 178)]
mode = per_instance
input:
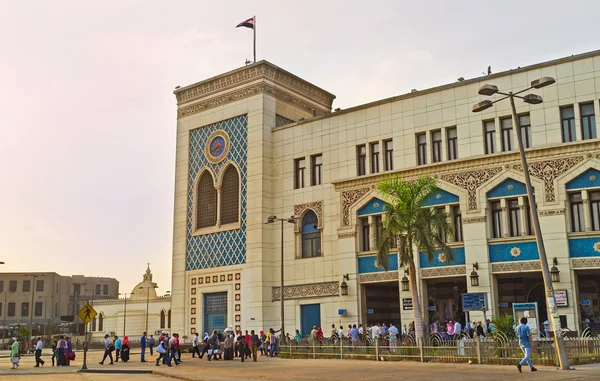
[(282, 120), (223, 248)]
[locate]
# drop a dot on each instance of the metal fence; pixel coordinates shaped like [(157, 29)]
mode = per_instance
[(496, 348)]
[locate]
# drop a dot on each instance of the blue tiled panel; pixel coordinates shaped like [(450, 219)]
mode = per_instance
[(441, 197), (367, 264), (222, 248), (588, 179), (584, 247), (282, 120), (372, 207), (459, 258), (513, 252), (517, 188)]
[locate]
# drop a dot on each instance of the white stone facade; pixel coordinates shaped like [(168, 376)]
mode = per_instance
[(270, 119)]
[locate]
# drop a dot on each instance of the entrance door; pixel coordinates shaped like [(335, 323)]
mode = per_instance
[(310, 315), (215, 312)]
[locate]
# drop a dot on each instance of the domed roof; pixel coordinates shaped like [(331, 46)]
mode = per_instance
[(146, 288)]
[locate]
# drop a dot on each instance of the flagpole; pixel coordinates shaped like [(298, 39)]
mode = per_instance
[(254, 29)]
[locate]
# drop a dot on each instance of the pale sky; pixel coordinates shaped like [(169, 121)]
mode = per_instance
[(88, 118)]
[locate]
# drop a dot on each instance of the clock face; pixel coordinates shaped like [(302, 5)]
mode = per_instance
[(217, 146)]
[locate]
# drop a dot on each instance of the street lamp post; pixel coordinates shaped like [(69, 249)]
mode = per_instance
[(125, 310), (32, 308), (532, 99), (147, 303), (291, 220)]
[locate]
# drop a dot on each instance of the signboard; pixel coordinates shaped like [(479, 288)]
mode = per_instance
[(370, 312), (527, 310), (560, 296), (475, 302), (503, 305), (431, 308), (87, 313), (585, 303), (342, 312), (407, 304)]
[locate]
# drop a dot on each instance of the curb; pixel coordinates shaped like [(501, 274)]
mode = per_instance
[(116, 371)]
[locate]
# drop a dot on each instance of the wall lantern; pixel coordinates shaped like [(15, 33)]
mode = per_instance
[(405, 282), (554, 272), (344, 285), (474, 276)]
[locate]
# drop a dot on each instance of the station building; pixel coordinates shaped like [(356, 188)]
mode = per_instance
[(260, 141)]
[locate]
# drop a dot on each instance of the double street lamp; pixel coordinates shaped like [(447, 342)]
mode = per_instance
[(125, 309), (147, 302), (534, 99), (291, 220)]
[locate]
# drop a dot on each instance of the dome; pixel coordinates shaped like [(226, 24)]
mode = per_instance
[(145, 288)]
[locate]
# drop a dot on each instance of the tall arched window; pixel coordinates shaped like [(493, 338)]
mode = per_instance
[(93, 324), (169, 319), (311, 236), (101, 322), (230, 196), (206, 212), (162, 319)]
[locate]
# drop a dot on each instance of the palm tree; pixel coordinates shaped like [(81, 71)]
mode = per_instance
[(409, 224)]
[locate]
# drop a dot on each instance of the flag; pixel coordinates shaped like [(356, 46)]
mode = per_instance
[(248, 23)]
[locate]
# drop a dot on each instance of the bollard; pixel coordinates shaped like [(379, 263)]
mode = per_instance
[(376, 349), (314, 354), (478, 348), (341, 348), (421, 350)]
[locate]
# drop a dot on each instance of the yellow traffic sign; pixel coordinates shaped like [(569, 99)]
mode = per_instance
[(87, 313)]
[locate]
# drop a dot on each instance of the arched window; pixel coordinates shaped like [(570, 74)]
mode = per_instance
[(206, 212), (230, 196), (162, 319), (93, 324), (311, 236), (169, 319), (101, 322)]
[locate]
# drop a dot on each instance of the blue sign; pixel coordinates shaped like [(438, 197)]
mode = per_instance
[(342, 312), (475, 302), (369, 312), (431, 308), (503, 305), (524, 306), (585, 303)]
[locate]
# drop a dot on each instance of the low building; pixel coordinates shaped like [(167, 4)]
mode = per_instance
[(140, 310)]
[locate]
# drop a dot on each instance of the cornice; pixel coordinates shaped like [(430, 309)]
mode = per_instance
[(247, 92), (507, 160), (242, 76)]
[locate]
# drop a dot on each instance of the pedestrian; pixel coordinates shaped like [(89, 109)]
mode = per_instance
[(274, 341), (205, 346), (450, 330), (173, 354), (54, 351), (38, 353), (118, 344), (151, 343), (298, 337), (236, 343), (243, 347), (162, 350), (62, 349), (263, 342), (15, 355), (353, 334), (125, 348), (195, 343), (393, 334), (69, 355), (178, 347), (228, 348), (480, 331), (213, 342), (457, 329), (143, 342), (108, 349), (254, 343), (526, 344)]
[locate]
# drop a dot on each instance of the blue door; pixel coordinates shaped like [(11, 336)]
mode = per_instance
[(310, 315), (215, 312)]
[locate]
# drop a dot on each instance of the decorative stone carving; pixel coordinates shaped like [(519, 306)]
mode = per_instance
[(348, 199), (236, 95), (378, 277), (504, 267), (580, 263), (471, 180), (443, 271), (554, 212), (549, 170), (306, 291), (316, 207), (473, 220), (251, 73)]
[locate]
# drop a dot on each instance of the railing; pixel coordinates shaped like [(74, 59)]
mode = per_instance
[(496, 348)]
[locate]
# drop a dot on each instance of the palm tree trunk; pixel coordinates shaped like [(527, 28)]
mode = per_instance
[(416, 301)]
